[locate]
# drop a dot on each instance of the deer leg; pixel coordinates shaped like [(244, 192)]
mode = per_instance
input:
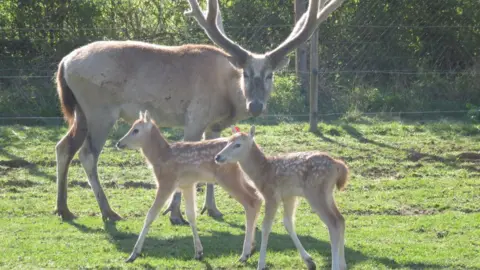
[(289, 207), (163, 194), (190, 211), (341, 241), (271, 206), (89, 153), (234, 183), (210, 204), (65, 151), (321, 202)]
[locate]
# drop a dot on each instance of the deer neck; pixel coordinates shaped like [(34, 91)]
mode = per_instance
[(156, 148), (255, 164)]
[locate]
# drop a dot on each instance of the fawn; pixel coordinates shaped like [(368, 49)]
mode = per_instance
[(312, 175), (181, 165)]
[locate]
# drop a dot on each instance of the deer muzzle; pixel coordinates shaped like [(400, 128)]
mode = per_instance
[(255, 108)]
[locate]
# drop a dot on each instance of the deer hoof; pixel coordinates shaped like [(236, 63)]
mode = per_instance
[(132, 257), (65, 214), (213, 212), (112, 216), (244, 258), (310, 264), (174, 220), (199, 255)]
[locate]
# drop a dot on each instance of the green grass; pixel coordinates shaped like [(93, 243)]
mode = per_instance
[(412, 202)]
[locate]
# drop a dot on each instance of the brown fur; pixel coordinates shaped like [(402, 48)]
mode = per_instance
[(65, 94)]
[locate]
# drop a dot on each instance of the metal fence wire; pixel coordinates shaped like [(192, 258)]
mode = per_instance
[(374, 56)]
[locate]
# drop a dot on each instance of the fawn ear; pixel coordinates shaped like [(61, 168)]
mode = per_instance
[(140, 115), (146, 116), (252, 132)]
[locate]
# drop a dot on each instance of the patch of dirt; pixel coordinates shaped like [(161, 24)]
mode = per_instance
[(82, 184), (376, 172), (414, 155), (19, 183), (414, 166), (131, 184), (469, 155), (409, 211), (15, 163), (112, 184), (406, 211)]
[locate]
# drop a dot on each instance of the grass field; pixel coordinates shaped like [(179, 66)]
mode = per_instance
[(413, 201)]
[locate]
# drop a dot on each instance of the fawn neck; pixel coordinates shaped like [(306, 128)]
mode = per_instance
[(156, 146), (255, 164)]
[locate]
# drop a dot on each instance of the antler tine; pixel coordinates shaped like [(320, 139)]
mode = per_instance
[(199, 15), (327, 10), (305, 27), (213, 27)]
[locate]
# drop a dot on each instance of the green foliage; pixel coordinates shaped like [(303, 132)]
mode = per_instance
[(287, 97), (411, 203), (375, 55), (473, 112)]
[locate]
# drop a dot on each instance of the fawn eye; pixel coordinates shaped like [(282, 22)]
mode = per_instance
[(135, 131), (245, 74), (269, 76), (237, 145)]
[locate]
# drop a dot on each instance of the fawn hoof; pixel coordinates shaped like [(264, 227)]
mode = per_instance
[(65, 214), (199, 255), (111, 216), (310, 264), (132, 257)]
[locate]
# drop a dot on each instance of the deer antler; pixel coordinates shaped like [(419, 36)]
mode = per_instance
[(304, 27), (213, 27)]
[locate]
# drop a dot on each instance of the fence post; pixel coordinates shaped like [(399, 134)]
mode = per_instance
[(314, 81), (301, 68)]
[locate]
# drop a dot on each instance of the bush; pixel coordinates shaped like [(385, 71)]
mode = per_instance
[(287, 97)]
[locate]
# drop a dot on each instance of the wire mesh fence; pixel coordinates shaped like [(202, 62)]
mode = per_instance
[(374, 56)]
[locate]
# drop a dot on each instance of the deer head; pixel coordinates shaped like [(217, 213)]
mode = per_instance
[(257, 68)]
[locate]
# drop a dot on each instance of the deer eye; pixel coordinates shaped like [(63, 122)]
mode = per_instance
[(135, 131), (237, 145)]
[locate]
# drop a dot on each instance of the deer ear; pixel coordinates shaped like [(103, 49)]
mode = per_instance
[(252, 132), (140, 115)]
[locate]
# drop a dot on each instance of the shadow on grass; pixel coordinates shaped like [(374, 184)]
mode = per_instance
[(18, 162), (412, 155), (224, 244)]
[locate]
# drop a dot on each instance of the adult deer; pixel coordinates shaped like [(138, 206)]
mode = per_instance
[(107, 80)]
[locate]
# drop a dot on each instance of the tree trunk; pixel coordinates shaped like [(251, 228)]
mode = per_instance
[(314, 81)]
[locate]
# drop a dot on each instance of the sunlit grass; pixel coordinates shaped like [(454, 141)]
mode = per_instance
[(413, 201)]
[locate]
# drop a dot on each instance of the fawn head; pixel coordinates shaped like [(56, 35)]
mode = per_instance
[(237, 148), (138, 134)]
